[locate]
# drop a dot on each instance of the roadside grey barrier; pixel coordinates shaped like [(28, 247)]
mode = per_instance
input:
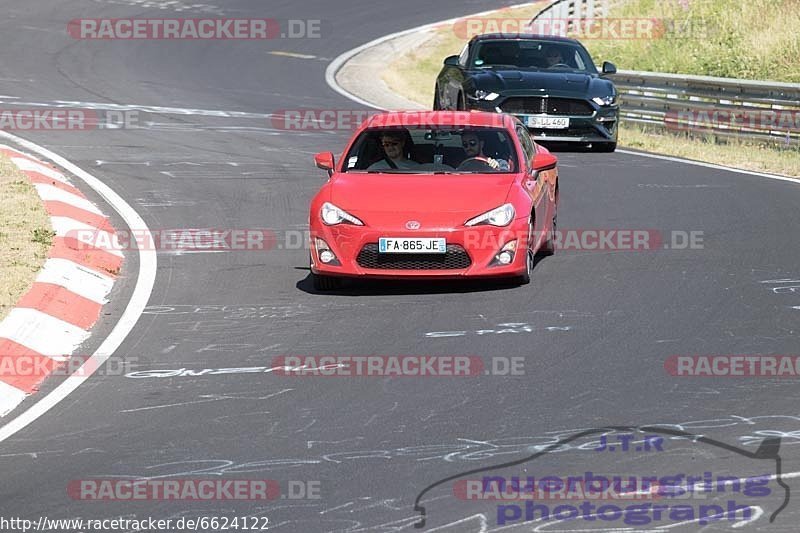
[(719, 107)]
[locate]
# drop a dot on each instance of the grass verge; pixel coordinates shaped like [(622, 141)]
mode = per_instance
[(737, 154), (25, 234), (752, 39)]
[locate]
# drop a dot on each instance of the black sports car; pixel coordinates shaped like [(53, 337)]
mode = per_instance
[(550, 83)]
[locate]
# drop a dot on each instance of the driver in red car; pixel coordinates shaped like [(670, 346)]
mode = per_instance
[(473, 146)]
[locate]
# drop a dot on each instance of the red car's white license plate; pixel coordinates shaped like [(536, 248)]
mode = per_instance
[(402, 245)]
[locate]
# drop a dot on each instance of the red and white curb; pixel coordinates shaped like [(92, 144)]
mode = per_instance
[(56, 315)]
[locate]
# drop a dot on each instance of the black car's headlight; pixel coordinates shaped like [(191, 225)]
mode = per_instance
[(605, 100), (485, 95)]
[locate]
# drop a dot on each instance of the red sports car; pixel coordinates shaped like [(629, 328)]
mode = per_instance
[(443, 194)]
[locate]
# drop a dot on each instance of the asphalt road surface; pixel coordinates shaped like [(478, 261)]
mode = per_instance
[(593, 328)]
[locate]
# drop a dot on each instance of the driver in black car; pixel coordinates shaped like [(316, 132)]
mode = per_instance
[(553, 57), (473, 146)]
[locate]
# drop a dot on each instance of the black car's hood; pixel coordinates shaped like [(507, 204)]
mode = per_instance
[(510, 80)]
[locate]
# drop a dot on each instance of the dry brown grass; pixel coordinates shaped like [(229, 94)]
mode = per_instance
[(25, 234), (759, 157)]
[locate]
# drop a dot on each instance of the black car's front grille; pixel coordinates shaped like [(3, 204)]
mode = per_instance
[(456, 258), (535, 105)]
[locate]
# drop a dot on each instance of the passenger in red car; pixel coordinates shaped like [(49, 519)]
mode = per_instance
[(394, 146)]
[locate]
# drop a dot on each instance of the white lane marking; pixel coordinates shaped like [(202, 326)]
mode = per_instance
[(50, 193), (32, 166), (76, 278), (183, 111), (41, 332), (711, 165), (141, 292), (10, 397), (292, 54), (338, 62)]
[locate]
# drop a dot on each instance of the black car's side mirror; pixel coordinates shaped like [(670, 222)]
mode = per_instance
[(451, 61), (609, 68)]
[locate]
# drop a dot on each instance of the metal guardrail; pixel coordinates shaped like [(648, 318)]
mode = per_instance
[(720, 107)]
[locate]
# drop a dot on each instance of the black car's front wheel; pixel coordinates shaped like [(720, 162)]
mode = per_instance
[(437, 106)]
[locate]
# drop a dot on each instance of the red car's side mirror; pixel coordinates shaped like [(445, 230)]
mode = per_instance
[(325, 161), (544, 160)]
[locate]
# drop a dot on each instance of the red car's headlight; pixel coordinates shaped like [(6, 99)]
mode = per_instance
[(500, 216), (332, 215)]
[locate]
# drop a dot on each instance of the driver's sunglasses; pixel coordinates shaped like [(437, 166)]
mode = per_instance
[(467, 144), (387, 144)]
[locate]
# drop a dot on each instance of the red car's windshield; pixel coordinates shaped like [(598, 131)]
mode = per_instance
[(418, 150)]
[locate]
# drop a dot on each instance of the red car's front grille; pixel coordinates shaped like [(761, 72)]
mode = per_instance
[(456, 258)]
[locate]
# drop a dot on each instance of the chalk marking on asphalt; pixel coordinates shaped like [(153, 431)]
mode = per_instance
[(141, 293)]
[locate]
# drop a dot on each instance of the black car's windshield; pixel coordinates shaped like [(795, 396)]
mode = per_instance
[(416, 150), (531, 54)]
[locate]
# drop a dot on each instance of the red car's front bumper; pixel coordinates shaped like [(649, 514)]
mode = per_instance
[(478, 246)]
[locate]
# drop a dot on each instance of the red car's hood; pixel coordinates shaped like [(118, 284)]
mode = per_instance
[(439, 199)]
